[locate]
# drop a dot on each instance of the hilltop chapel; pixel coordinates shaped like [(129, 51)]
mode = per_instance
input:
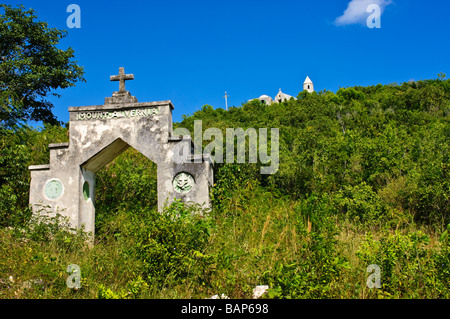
[(283, 97)]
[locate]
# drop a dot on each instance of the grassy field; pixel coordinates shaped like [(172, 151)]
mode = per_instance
[(296, 248)]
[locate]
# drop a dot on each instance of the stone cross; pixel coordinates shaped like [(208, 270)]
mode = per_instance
[(122, 77), (226, 101)]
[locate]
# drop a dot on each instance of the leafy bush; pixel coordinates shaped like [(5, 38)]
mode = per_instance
[(360, 203), (442, 262), (135, 288), (316, 266), (408, 265), (169, 244), (127, 183), (46, 226), (14, 156), (20, 147)]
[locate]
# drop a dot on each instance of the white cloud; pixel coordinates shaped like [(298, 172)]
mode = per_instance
[(356, 11)]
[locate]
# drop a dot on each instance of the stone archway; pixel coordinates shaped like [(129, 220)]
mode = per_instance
[(98, 134)]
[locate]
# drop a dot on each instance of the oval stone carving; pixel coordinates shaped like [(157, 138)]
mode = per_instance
[(183, 183), (53, 189)]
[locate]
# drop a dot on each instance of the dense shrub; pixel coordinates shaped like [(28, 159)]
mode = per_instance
[(170, 244), (409, 267), (316, 266)]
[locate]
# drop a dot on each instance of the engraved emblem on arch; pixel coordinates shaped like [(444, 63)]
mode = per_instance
[(183, 183), (53, 189)]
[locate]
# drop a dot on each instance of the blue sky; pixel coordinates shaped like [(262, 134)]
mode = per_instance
[(191, 52)]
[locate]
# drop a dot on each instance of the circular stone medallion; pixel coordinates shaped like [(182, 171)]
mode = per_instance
[(53, 189), (183, 183)]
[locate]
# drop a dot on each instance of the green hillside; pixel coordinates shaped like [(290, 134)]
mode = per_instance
[(363, 178)]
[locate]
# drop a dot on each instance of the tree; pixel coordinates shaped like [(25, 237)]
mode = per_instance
[(31, 67)]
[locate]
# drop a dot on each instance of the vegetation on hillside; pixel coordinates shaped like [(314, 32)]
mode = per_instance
[(32, 67), (363, 179)]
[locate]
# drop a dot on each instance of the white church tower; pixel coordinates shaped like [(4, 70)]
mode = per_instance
[(308, 85)]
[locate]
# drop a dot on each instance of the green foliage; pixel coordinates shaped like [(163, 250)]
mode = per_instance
[(134, 289), (360, 203), (375, 137), (47, 227), (32, 66), (14, 156), (128, 182), (363, 179), (409, 268), (230, 178), (106, 293), (170, 243), (19, 148), (315, 266)]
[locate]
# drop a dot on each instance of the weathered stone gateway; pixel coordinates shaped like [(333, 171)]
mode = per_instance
[(100, 133)]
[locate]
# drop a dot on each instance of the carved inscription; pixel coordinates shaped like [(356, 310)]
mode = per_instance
[(101, 115)]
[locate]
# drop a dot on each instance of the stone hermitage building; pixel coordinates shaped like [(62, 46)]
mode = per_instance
[(100, 133), (283, 97)]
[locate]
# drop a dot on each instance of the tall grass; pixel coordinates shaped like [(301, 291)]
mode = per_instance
[(300, 248)]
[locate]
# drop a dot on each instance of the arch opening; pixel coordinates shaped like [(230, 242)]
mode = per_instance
[(123, 180)]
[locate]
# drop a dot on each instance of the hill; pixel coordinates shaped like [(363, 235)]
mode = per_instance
[(363, 179)]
